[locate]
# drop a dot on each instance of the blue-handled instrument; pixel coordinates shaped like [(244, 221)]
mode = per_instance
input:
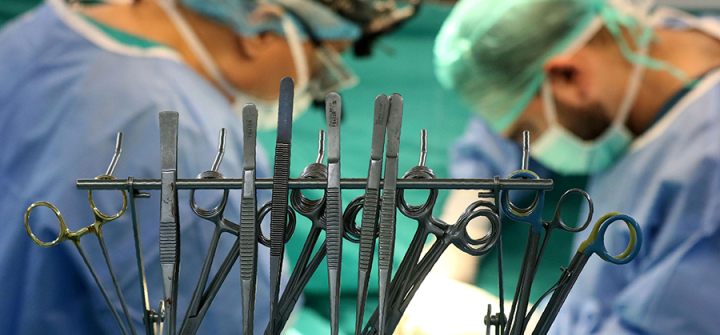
[(594, 244)]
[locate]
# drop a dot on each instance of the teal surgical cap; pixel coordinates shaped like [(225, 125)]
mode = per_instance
[(324, 23), (492, 52)]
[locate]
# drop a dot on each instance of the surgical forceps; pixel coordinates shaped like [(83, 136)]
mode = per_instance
[(334, 226), (95, 228), (413, 270), (248, 235), (193, 316), (534, 250), (371, 206), (281, 175), (314, 210), (289, 229), (595, 243), (411, 274), (389, 203), (169, 217)]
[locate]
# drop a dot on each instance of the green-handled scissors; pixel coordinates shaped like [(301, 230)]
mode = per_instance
[(594, 244), (95, 228)]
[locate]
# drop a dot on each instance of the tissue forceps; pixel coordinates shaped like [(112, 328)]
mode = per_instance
[(333, 209), (229, 261), (386, 243), (412, 255), (95, 228), (169, 217), (413, 269), (371, 206), (248, 235), (314, 210), (281, 175)]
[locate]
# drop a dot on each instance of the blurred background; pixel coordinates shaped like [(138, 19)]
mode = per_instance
[(403, 65)]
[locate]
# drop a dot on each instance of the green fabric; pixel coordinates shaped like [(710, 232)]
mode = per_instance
[(11, 8), (492, 53)]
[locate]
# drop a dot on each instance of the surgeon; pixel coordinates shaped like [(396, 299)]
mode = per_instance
[(73, 76), (628, 93)]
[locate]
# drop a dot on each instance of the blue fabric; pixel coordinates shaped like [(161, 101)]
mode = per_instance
[(670, 186), (63, 100), (480, 153)]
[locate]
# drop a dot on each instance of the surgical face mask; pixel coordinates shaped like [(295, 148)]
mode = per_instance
[(564, 152), (267, 110), (332, 76)]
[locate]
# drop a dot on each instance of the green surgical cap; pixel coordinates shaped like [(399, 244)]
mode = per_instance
[(492, 52)]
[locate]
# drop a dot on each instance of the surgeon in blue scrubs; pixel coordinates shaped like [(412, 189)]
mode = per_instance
[(74, 76), (628, 93)]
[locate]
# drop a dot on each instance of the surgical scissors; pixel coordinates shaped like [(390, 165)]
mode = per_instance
[(314, 210), (281, 175), (216, 215), (594, 244), (534, 249), (371, 206), (248, 235), (95, 228), (413, 270), (389, 203), (334, 226)]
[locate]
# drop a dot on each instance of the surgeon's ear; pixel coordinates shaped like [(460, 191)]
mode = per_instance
[(571, 80), (258, 45)]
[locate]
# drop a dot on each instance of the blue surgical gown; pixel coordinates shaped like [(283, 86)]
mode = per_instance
[(67, 87), (669, 181)]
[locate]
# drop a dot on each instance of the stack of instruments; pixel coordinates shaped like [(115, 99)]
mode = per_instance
[(384, 196)]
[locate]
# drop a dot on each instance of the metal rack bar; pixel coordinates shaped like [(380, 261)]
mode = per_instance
[(347, 183)]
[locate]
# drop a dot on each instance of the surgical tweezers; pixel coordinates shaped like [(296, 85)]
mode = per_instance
[(248, 235), (169, 220), (333, 210), (371, 204), (388, 212), (314, 210), (281, 175)]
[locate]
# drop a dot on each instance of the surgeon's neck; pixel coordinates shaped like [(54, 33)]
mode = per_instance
[(147, 20), (693, 52)]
